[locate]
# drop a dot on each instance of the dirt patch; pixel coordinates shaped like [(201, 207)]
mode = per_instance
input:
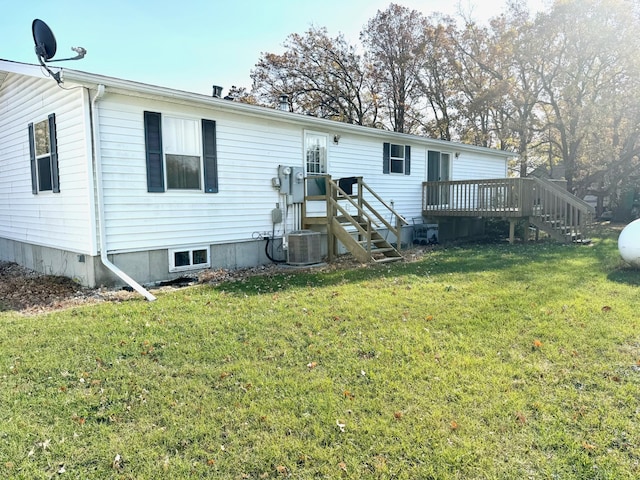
[(27, 291)]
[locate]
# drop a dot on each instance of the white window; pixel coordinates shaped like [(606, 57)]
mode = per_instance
[(193, 258), (182, 149), (397, 158), (43, 153)]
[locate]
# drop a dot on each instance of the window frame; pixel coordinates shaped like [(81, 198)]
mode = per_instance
[(395, 159), (176, 152), (390, 162), (155, 158), (191, 266), (49, 159)]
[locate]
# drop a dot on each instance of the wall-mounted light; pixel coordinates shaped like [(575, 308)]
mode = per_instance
[(457, 154), (336, 139)]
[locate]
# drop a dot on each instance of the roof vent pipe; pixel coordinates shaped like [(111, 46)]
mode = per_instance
[(217, 91), (284, 102)]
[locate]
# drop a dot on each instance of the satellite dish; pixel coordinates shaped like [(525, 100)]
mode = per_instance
[(45, 40), (46, 47)]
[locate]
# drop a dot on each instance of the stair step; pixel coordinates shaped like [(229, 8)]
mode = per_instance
[(382, 250), (373, 240), (387, 259)]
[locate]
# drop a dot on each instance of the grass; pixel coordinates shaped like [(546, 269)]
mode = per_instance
[(476, 362)]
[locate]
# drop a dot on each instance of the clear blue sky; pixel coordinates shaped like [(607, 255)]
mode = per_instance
[(193, 44)]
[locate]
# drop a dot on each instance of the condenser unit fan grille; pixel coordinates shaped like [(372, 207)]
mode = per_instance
[(304, 248)]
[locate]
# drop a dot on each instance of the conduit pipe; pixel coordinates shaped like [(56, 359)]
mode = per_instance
[(99, 190)]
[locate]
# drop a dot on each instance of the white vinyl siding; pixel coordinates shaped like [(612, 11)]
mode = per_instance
[(249, 151), (62, 220)]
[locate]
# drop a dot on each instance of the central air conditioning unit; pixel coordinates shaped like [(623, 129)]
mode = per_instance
[(304, 247)]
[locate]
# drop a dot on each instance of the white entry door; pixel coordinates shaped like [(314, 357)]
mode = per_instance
[(315, 145)]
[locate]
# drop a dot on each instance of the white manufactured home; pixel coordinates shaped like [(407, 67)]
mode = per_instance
[(107, 180)]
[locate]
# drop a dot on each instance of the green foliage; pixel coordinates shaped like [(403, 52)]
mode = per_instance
[(474, 362)]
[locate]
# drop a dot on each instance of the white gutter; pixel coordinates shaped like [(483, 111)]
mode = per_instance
[(99, 191)]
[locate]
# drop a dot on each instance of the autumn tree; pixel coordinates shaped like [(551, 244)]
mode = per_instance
[(589, 74), (395, 47), (438, 85), (322, 76)]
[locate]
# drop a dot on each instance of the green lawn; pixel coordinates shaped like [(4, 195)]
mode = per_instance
[(475, 362)]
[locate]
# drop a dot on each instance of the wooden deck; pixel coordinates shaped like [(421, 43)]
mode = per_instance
[(546, 205)]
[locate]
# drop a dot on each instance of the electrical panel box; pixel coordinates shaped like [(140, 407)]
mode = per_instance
[(276, 215), (284, 175), (297, 184)]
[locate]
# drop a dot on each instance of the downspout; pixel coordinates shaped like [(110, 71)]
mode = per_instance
[(99, 193)]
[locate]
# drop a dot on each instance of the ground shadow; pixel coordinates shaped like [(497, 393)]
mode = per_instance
[(469, 258)]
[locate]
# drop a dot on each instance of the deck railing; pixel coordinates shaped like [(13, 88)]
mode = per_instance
[(547, 205), (492, 197)]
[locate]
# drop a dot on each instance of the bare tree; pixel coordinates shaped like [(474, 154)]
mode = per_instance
[(395, 42), (589, 73), (322, 76)]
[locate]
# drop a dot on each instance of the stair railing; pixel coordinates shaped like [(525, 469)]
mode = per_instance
[(399, 219), (363, 221), (569, 216)]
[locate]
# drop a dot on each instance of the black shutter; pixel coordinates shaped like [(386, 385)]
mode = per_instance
[(386, 157), (32, 156), (407, 160), (153, 146), (53, 149), (210, 156)]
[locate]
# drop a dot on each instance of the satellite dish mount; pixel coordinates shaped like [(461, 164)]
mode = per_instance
[(46, 47)]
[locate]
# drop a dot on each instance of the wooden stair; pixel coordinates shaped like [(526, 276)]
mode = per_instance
[(561, 215), (364, 242), (357, 232)]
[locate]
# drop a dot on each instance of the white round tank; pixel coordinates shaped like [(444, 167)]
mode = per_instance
[(629, 243)]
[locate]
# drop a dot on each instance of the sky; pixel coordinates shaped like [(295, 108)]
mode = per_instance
[(193, 44)]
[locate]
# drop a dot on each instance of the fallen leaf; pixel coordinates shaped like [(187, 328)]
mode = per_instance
[(211, 461), (429, 318), (342, 466), (44, 444), (312, 365), (397, 415), (537, 343), (453, 425), (117, 462), (348, 394), (281, 469), (224, 375), (78, 420), (606, 308), (520, 418), (588, 446)]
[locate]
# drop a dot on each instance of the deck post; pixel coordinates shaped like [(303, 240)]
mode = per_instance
[(512, 230)]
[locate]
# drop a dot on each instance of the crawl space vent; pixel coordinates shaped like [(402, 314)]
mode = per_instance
[(304, 248)]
